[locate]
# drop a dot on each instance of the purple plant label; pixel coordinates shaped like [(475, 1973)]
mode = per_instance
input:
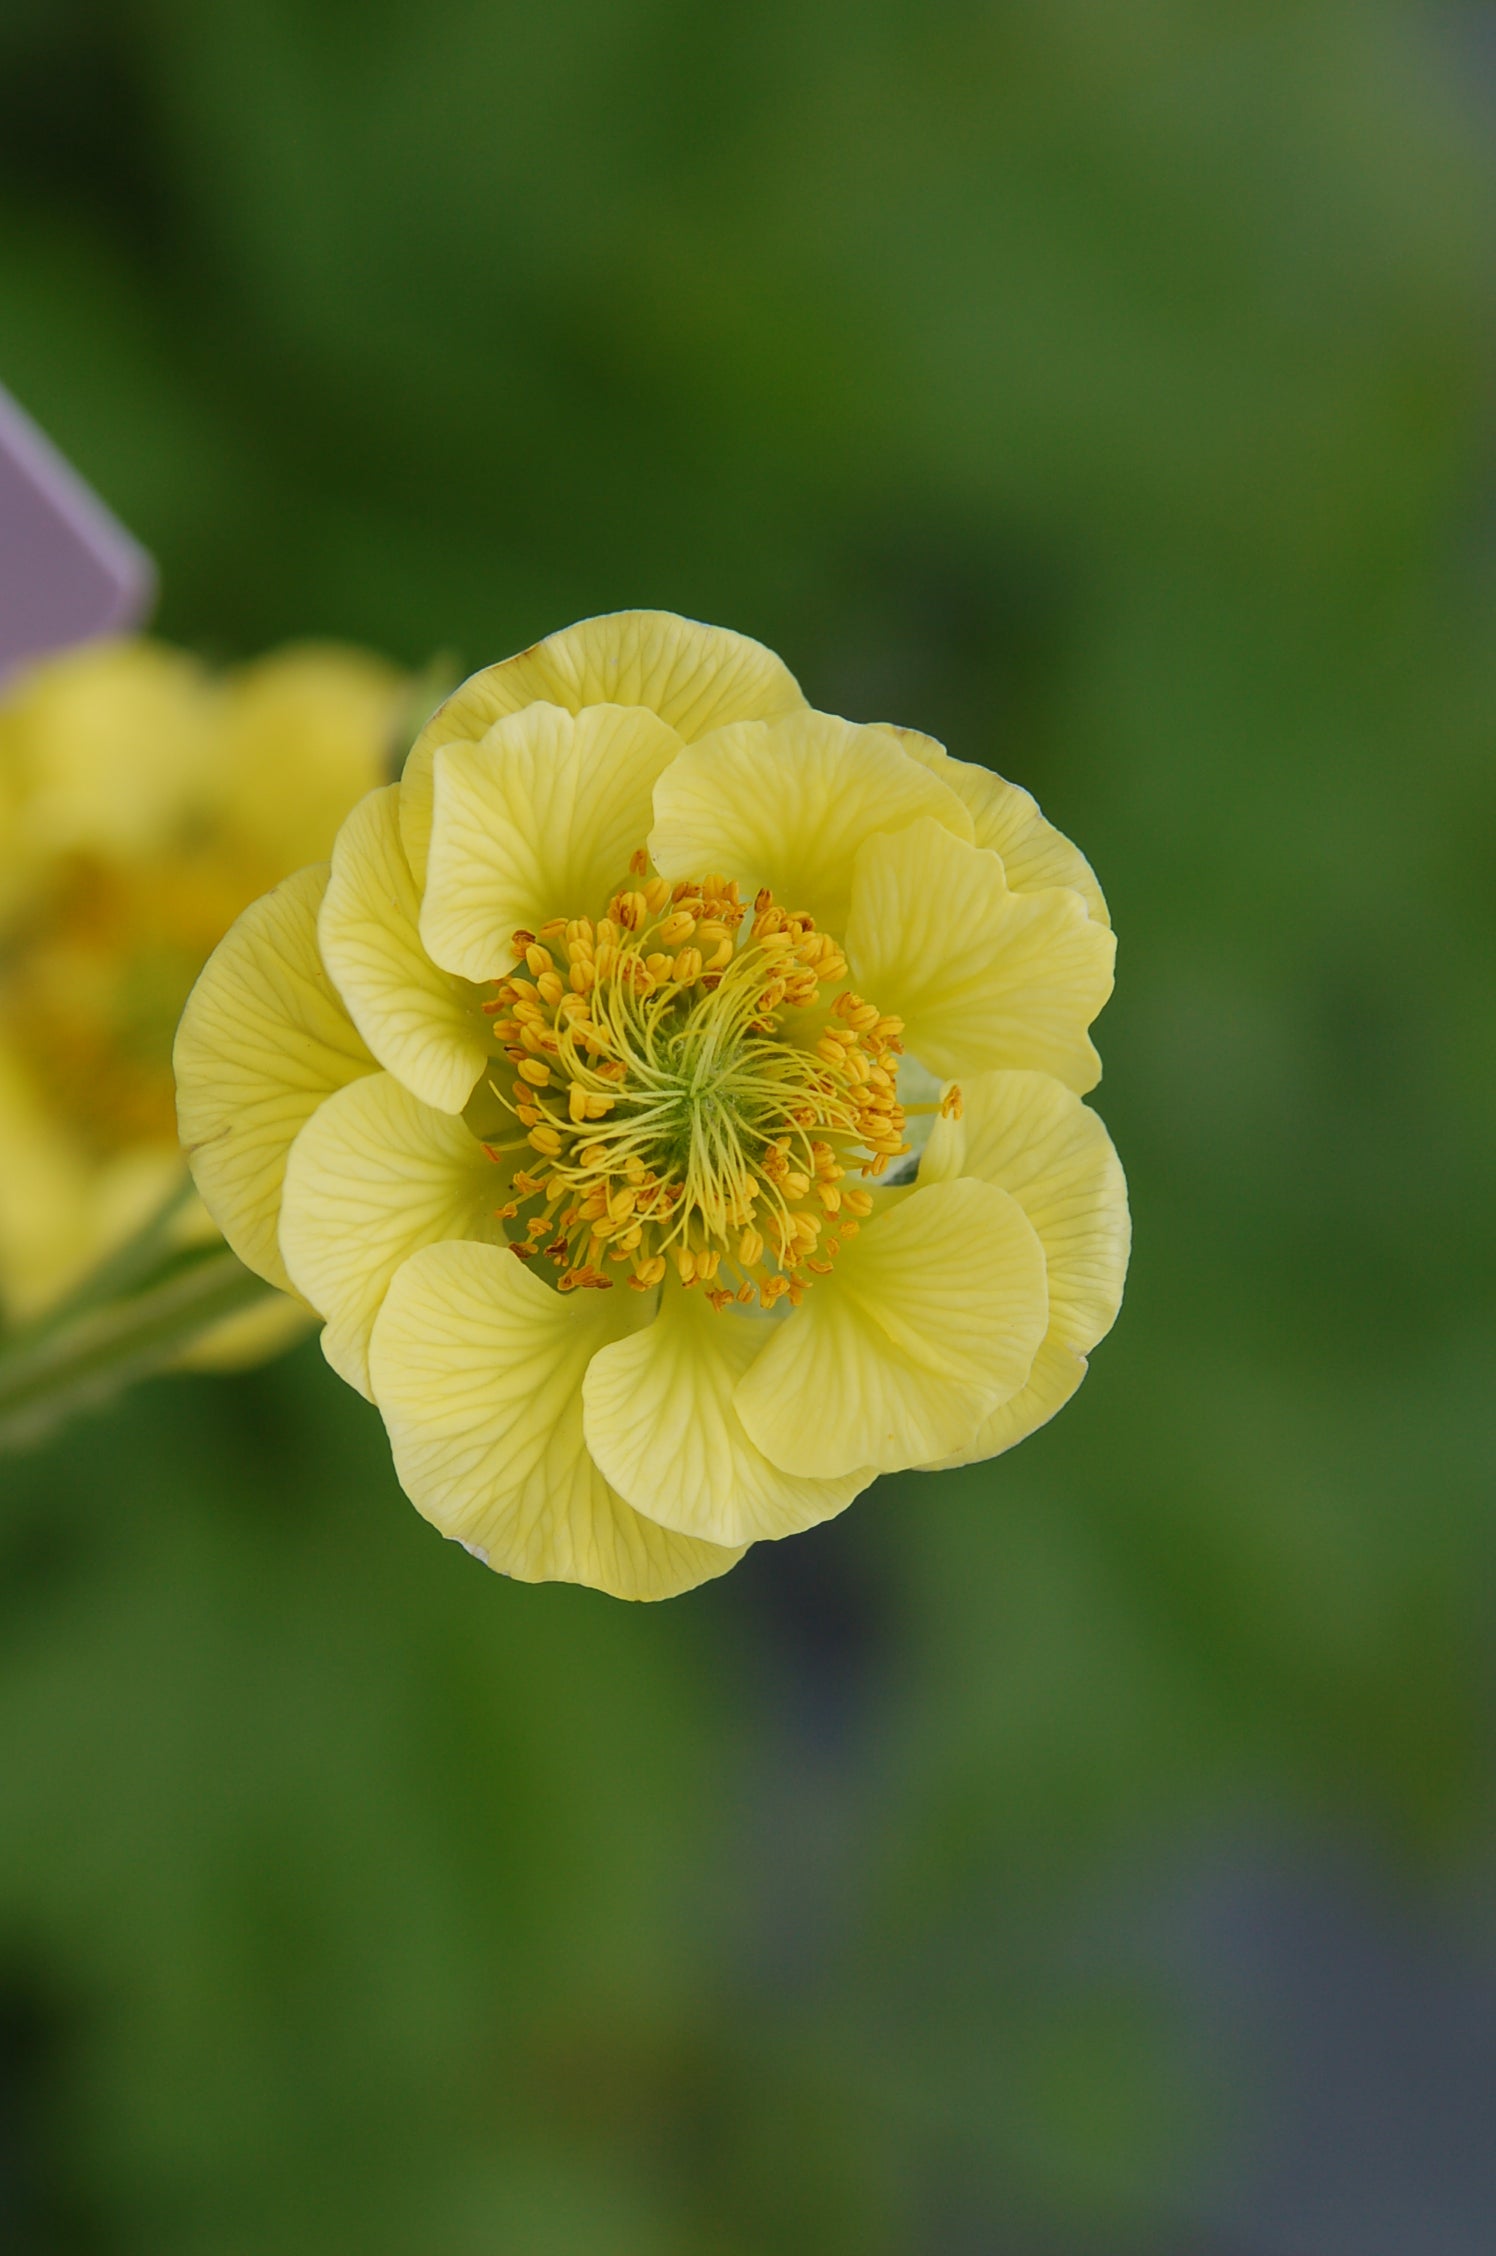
[(68, 569)]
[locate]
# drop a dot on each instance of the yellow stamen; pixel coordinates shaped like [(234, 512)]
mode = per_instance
[(684, 1119)]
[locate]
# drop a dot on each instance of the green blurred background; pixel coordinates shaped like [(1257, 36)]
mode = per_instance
[(1107, 390)]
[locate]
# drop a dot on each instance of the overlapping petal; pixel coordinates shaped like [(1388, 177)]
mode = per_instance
[(477, 1369), (662, 1423), (931, 1317), (1056, 1374), (263, 1041), (419, 1022), (1039, 1142), (638, 1441), (982, 976), (536, 821), (1007, 819), (373, 1176), (694, 677), (788, 803), (1036, 1139)]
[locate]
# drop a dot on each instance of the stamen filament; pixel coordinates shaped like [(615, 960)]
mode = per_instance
[(680, 1109)]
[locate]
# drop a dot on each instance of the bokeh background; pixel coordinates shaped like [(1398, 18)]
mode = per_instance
[(1085, 1855)]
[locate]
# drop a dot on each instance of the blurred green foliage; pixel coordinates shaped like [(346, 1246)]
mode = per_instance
[(1107, 391)]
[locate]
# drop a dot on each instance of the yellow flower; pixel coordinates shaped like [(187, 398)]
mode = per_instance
[(574, 1094), (143, 802)]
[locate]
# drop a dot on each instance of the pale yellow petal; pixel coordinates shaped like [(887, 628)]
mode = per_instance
[(694, 677), (788, 803), (1007, 818), (1056, 1374), (423, 1025), (263, 1040), (478, 1370), (374, 1175), (982, 976), (662, 1424), (929, 1320), (537, 821), (1037, 1140)]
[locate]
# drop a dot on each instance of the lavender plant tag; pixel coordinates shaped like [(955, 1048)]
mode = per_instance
[(68, 569)]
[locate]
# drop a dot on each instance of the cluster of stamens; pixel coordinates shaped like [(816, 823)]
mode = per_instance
[(689, 1099)]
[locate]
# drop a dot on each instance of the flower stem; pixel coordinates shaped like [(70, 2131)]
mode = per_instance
[(76, 1357), (121, 1272)]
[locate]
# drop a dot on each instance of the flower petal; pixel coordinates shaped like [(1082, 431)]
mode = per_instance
[(537, 821), (694, 677), (374, 1175), (1007, 818), (661, 1423), (788, 803), (263, 1041), (421, 1024), (982, 976), (478, 1368), (929, 1320), (1038, 1141), (1056, 1374)]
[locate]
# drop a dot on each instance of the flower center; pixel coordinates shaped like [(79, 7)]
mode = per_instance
[(690, 1096)]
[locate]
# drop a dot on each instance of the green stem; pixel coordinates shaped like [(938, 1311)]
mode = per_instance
[(129, 1266), (57, 1368)]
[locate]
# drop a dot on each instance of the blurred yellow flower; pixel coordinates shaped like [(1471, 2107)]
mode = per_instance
[(574, 1095), (143, 802)]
